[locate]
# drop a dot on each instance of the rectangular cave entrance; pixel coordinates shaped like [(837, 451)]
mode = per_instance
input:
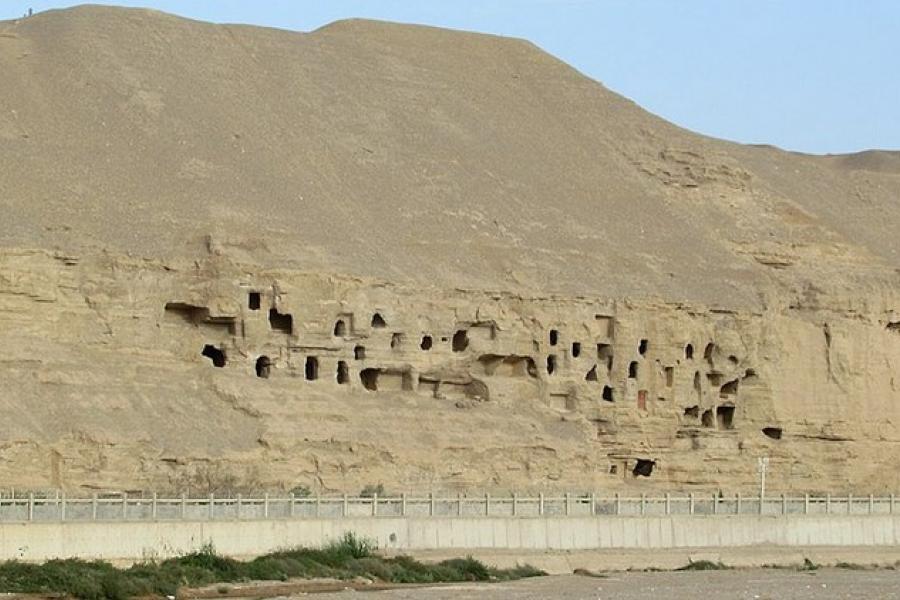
[(725, 417), (280, 322), (343, 372), (312, 368)]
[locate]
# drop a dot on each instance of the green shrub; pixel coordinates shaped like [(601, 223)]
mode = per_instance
[(301, 491), (371, 490), (468, 568), (808, 565)]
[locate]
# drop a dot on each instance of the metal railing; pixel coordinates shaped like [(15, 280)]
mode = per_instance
[(32, 507)]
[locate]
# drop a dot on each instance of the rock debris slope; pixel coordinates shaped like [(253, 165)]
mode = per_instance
[(236, 258)]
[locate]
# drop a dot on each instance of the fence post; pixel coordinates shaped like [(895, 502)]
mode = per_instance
[(62, 507), (124, 506), (805, 504), (891, 509), (737, 504), (849, 503), (211, 501), (643, 503), (31, 506), (290, 510), (715, 504), (515, 505), (266, 505), (403, 504), (183, 505), (827, 503), (541, 504), (568, 505), (871, 503), (319, 503), (375, 504), (153, 506), (487, 504), (346, 506), (691, 503), (94, 506), (459, 505), (668, 504), (237, 507), (618, 504), (593, 504), (431, 504), (784, 508)]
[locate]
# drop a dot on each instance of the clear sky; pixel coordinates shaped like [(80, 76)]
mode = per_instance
[(810, 75)]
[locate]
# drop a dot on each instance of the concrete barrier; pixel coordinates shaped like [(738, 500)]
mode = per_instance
[(129, 541)]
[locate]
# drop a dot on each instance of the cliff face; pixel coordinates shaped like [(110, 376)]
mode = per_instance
[(243, 258)]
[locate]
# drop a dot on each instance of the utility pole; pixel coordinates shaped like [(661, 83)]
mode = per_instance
[(762, 465)]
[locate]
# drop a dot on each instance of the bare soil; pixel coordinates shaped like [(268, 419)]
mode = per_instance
[(751, 584)]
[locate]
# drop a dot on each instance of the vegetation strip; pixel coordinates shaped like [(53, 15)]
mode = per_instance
[(345, 559)]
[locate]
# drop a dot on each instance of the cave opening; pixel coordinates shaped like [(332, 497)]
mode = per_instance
[(460, 340), (633, 370), (282, 322), (312, 368), (343, 372), (216, 355), (340, 328), (725, 417), (254, 299), (774, 433), (263, 367), (643, 467), (369, 379)]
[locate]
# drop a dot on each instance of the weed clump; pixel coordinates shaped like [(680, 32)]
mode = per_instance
[(704, 565)]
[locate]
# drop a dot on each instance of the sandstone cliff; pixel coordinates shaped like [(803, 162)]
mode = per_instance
[(235, 257)]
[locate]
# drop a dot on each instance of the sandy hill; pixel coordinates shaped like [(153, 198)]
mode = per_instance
[(405, 153), (236, 258)]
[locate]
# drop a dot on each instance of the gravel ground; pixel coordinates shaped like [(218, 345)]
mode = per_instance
[(750, 584)]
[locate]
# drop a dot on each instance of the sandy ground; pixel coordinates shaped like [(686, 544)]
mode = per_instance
[(750, 584)]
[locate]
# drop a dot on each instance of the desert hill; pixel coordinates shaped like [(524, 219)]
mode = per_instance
[(401, 152), (238, 258)]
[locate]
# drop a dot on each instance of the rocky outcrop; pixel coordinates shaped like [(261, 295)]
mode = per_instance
[(129, 373)]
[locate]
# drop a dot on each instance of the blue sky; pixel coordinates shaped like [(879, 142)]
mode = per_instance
[(809, 75)]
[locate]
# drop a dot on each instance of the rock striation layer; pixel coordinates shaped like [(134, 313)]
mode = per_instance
[(235, 258)]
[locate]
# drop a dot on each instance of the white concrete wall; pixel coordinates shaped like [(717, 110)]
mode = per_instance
[(160, 539)]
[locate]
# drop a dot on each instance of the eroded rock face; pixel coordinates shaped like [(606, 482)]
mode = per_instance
[(130, 374)]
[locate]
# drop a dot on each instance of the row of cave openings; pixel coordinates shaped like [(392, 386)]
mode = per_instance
[(605, 357), (283, 323), (717, 417)]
